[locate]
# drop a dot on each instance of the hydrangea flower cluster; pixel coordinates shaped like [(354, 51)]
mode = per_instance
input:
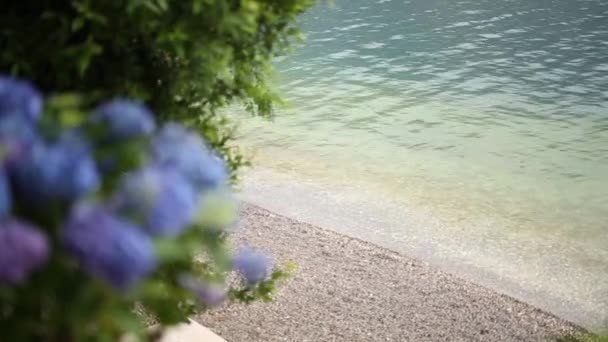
[(253, 265), (24, 248), (57, 202)]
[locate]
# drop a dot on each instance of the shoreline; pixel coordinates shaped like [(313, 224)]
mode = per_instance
[(533, 267), (346, 289)]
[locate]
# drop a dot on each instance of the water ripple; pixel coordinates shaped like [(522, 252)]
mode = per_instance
[(515, 90)]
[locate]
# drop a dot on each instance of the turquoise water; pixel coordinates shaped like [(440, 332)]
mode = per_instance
[(481, 109)]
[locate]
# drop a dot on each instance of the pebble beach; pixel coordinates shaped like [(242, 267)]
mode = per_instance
[(345, 289)]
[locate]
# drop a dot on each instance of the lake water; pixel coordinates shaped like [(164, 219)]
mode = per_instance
[(490, 116)]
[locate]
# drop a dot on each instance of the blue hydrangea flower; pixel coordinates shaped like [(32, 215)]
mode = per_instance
[(19, 98), (162, 199), (185, 151), (108, 247), (124, 118), (20, 107), (63, 170), (210, 294), (17, 134), (23, 249), (253, 265), (5, 195)]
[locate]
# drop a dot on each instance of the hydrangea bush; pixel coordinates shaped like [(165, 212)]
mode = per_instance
[(104, 210)]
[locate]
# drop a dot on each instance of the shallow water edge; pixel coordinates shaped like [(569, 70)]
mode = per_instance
[(539, 270)]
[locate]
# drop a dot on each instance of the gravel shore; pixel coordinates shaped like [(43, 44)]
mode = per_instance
[(346, 289)]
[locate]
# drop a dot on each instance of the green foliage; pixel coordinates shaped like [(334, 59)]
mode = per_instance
[(185, 58)]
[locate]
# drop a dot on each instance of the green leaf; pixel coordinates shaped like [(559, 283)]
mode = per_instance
[(170, 250), (77, 24)]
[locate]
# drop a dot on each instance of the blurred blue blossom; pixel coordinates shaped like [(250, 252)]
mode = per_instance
[(253, 265), (19, 98), (160, 197), (23, 248), (63, 170), (210, 294), (177, 147), (20, 108), (108, 247), (5, 195), (124, 118), (17, 134)]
